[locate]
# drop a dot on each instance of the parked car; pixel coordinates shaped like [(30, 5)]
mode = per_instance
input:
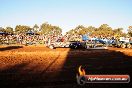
[(77, 45), (122, 44), (58, 44)]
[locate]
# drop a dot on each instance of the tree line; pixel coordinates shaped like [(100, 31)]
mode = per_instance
[(103, 31), (47, 29)]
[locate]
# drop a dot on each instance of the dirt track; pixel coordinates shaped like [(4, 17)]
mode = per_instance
[(41, 67)]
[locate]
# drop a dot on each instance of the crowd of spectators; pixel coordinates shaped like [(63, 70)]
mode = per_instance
[(31, 38)]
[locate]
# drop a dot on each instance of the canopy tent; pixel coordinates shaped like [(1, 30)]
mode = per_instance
[(3, 33), (85, 37), (31, 33)]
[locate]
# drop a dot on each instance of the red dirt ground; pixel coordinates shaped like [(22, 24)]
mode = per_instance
[(41, 67)]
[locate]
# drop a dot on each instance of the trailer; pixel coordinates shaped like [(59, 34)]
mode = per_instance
[(122, 43)]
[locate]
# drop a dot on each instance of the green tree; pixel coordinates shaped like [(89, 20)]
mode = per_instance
[(9, 30), (118, 32), (22, 29), (35, 27), (49, 29), (2, 29), (130, 31), (104, 30)]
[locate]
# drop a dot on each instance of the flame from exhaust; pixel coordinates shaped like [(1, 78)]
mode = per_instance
[(81, 71)]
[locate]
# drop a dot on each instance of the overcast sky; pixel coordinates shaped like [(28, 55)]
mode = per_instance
[(66, 13)]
